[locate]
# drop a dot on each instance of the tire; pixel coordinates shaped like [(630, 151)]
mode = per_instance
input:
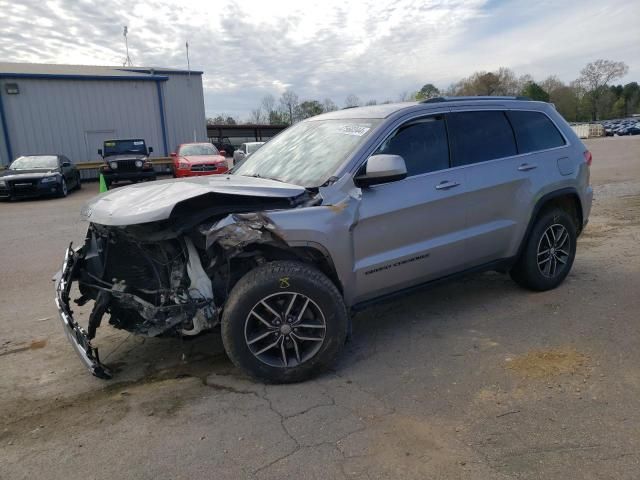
[(547, 244), (64, 191), (78, 182), (310, 299)]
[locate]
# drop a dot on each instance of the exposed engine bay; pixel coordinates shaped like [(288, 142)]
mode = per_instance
[(155, 279)]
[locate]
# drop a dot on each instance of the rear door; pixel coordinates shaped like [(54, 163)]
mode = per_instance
[(501, 182), (411, 231)]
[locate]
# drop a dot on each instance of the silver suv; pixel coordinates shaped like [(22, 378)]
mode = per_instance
[(336, 212)]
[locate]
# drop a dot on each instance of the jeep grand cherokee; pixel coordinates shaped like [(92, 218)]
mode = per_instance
[(281, 251)]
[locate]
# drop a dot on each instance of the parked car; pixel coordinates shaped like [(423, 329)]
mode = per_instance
[(245, 150), (126, 160), (300, 235), (37, 175), (196, 159)]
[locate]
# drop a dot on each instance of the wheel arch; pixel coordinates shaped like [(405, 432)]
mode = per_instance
[(565, 198), (307, 252)]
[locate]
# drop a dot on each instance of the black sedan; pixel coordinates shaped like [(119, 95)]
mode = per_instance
[(36, 175)]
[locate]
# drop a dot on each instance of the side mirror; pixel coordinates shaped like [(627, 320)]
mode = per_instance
[(223, 153), (150, 149), (381, 169), (66, 164), (100, 151), (174, 154)]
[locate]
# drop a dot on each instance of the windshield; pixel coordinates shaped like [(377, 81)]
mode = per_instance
[(252, 147), (307, 153), (28, 163), (199, 149), (118, 147)]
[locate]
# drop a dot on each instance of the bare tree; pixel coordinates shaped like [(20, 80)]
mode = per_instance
[(268, 106), (578, 91), (352, 101), (329, 105), (551, 84), (289, 104), (371, 102), (257, 116), (405, 96), (596, 75)]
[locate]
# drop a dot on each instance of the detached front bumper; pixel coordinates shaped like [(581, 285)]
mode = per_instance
[(76, 335)]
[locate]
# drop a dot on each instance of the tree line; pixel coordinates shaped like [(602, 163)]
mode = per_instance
[(592, 96)]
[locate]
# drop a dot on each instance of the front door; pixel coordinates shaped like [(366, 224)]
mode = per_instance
[(411, 231)]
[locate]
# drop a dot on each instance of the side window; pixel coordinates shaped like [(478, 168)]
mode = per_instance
[(423, 145), (480, 136), (534, 131)]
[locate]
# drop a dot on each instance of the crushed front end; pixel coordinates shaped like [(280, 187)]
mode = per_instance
[(148, 288), (160, 259)]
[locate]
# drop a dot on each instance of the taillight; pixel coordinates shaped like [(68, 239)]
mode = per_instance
[(588, 157)]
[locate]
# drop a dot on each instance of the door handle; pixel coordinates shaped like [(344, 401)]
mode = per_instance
[(525, 167), (446, 185)]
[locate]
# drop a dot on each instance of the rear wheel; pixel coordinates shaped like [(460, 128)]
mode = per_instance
[(78, 181), (284, 322), (549, 252)]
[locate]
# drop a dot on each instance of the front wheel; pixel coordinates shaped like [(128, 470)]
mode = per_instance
[(548, 253), (284, 322), (64, 191)]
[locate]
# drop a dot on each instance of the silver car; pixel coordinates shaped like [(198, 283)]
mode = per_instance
[(245, 150), (335, 213)]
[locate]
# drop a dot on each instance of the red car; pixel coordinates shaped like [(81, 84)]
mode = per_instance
[(195, 159)]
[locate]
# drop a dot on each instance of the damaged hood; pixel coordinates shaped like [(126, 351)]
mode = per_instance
[(154, 201)]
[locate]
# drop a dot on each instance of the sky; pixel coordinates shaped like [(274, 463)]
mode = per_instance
[(330, 48)]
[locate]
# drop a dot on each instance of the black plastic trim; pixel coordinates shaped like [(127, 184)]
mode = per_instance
[(499, 265)]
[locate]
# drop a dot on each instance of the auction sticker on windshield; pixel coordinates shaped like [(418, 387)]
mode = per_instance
[(357, 130)]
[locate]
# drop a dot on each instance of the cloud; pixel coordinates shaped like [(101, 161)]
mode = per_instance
[(370, 48)]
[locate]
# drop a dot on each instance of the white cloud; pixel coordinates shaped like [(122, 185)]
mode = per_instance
[(372, 48)]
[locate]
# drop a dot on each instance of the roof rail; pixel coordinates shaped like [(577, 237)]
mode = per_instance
[(479, 97)]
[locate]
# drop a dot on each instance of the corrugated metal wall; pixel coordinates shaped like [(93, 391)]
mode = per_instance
[(184, 109), (4, 154), (72, 117)]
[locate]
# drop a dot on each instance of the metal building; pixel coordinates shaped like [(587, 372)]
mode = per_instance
[(72, 109)]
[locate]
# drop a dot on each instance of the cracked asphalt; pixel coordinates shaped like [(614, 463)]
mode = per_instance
[(474, 379)]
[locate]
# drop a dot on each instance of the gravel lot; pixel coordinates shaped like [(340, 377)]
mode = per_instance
[(475, 379)]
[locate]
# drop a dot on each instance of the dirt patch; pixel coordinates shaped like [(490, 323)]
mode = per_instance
[(548, 363), (34, 345)]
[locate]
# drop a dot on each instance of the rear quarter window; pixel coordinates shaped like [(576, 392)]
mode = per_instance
[(480, 136), (534, 131)]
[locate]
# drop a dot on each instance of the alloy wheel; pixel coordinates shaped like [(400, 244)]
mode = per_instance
[(553, 251), (285, 329)]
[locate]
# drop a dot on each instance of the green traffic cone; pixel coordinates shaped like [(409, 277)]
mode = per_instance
[(103, 184)]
